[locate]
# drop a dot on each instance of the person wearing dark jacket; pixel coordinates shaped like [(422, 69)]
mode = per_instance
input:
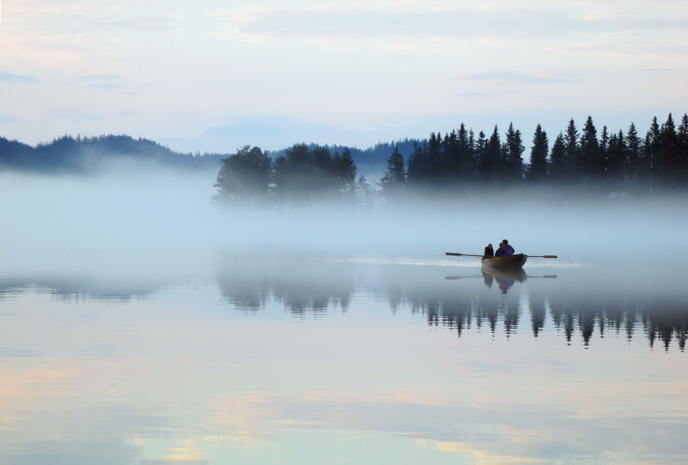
[(489, 251), (504, 249)]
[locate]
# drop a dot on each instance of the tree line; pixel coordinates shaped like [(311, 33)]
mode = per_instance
[(304, 174), (599, 160)]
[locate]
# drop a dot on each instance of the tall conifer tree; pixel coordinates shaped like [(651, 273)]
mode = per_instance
[(590, 163), (394, 179), (537, 171), (571, 140), (558, 164), (489, 163), (514, 153), (633, 144)]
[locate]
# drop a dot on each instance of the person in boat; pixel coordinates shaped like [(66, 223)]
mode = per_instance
[(504, 249), (489, 251)]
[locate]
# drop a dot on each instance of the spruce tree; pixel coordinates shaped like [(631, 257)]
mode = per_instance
[(345, 170), (633, 144), (604, 146), (590, 163), (245, 177), (450, 157), (650, 149), (571, 140), (394, 179), (537, 171), (683, 150), (417, 166), (616, 157), (481, 153), (667, 159), (362, 187), (464, 141), (434, 157), (558, 169), (490, 161), (514, 153)]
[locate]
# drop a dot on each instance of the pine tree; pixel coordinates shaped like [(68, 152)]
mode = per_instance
[(464, 141), (589, 161), (417, 166), (558, 169), (537, 171), (667, 153), (481, 152), (345, 170), (571, 140), (490, 161), (394, 180), (434, 156), (650, 149), (683, 150), (363, 190), (616, 157), (633, 144), (245, 177), (451, 161), (604, 146), (514, 153)]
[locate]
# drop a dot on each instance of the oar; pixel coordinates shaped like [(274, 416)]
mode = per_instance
[(469, 255)]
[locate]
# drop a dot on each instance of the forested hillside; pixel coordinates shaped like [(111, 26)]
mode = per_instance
[(91, 155)]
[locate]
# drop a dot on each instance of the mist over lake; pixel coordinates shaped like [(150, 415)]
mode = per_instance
[(371, 233), (144, 323)]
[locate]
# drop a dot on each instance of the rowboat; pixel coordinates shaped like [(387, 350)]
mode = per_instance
[(510, 262)]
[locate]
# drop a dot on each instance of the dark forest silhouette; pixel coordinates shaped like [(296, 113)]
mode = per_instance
[(77, 155), (599, 162)]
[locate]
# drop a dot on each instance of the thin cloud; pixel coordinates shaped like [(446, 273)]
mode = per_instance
[(106, 86), (11, 77), (8, 119), (365, 23), (103, 77), (510, 76), (83, 117)]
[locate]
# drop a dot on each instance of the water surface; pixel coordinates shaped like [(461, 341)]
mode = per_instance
[(277, 359)]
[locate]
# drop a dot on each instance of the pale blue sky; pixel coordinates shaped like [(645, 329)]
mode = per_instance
[(213, 75)]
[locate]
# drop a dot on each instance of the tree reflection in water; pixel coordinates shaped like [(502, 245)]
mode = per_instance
[(301, 285), (313, 286)]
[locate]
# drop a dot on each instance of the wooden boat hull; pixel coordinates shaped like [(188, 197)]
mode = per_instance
[(515, 261)]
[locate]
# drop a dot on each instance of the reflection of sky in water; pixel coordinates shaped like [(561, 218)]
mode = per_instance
[(331, 361)]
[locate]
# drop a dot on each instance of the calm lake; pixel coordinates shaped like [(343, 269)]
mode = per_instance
[(276, 359)]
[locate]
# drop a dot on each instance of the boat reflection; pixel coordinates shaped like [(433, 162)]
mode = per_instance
[(505, 278)]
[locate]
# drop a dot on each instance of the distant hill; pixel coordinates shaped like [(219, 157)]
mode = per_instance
[(70, 155), (92, 155)]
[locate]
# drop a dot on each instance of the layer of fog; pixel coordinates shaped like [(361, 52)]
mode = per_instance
[(143, 224)]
